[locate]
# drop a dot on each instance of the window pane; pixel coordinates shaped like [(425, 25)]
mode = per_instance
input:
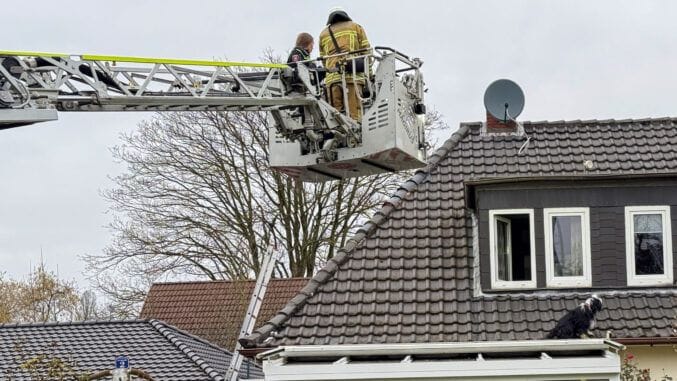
[(648, 244), (502, 250), (520, 248), (567, 245), (648, 253), (648, 223), (511, 247)]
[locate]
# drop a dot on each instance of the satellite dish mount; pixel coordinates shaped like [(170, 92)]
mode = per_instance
[(504, 100)]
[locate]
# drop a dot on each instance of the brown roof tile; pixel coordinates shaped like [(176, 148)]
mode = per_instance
[(215, 310)]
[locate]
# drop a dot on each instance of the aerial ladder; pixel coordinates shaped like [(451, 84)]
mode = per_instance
[(308, 138), (252, 313)]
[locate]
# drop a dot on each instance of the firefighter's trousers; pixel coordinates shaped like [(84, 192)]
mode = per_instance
[(354, 106)]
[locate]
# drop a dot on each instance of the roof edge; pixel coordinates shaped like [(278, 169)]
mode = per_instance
[(647, 340), (67, 323), (670, 119), (605, 121), (366, 230), (224, 281), (583, 176), (166, 331)]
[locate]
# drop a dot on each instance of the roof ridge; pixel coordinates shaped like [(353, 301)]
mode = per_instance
[(343, 254), (168, 332), (69, 323), (227, 281), (586, 121), (192, 336)]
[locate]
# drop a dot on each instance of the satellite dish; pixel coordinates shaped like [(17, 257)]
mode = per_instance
[(504, 100)]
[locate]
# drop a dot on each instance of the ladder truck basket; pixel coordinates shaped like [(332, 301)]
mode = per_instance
[(390, 137)]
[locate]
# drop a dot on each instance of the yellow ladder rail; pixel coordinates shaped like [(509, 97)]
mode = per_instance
[(153, 60)]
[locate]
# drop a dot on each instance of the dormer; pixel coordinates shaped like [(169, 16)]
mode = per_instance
[(575, 232)]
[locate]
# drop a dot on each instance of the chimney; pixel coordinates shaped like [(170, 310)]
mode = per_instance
[(504, 101), (497, 126)]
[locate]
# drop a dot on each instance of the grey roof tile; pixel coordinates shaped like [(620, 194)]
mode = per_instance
[(407, 275), (165, 352)]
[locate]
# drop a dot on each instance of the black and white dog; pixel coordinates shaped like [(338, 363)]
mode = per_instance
[(578, 322)]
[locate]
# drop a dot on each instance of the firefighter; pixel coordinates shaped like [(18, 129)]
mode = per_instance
[(343, 35), (301, 53), (302, 50)]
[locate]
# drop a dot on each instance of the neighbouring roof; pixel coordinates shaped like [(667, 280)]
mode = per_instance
[(407, 274), (164, 352), (215, 310)]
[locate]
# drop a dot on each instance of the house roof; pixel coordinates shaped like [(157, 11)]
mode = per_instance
[(215, 310), (408, 274), (164, 352)]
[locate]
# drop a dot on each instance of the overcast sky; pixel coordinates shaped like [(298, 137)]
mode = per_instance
[(573, 59)]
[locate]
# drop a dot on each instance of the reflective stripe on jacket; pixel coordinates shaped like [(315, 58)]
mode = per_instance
[(349, 36)]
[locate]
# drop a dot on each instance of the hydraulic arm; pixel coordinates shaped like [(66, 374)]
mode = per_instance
[(309, 138)]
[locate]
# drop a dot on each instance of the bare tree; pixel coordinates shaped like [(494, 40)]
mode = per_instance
[(125, 287), (198, 199), (87, 307)]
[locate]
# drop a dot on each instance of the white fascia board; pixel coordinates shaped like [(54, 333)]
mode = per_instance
[(440, 348), (512, 369)]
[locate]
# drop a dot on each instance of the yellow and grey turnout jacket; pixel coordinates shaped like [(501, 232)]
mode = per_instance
[(349, 36)]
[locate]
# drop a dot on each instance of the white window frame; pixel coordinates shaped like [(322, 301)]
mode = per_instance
[(648, 280), (551, 280), (493, 261)]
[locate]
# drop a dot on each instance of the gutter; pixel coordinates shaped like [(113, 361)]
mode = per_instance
[(646, 340), (253, 352), (442, 349), (672, 340)]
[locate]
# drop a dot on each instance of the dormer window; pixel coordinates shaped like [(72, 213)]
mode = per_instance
[(568, 236), (512, 249), (648, 242), (567, 247)]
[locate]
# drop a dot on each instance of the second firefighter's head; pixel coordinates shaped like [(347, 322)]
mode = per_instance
[(337, 14), (305, 40)]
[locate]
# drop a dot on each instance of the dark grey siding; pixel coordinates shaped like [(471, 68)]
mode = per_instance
[(606, 200)]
